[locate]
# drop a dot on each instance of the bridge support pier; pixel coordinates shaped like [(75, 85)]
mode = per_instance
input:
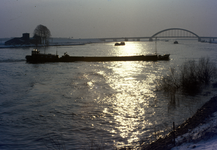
[(199, 39), (211, 40)]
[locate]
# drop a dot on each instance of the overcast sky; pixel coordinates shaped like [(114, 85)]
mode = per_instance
[(107, 18)]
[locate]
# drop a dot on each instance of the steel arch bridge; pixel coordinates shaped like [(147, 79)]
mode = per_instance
[(174, 33)]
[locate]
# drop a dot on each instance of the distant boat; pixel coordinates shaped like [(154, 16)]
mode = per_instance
[(176, 42), (163, 57), (119, 44)]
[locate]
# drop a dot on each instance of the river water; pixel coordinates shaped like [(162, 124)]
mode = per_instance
[(81, 105)]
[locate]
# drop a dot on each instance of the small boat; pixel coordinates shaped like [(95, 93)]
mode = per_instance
[(176, 42), (164, 57), (36, 57), (120, 44)]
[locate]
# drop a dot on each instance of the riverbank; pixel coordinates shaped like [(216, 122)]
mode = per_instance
[(41, 45), (204, 136), (200, 117), (53, 42)]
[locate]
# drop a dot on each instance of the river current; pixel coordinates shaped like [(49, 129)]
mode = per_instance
[(80, 105)]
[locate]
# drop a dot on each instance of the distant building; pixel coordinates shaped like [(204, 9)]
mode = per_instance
[(24, 40)]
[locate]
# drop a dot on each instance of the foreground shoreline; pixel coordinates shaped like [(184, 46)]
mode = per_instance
[(199, 117)]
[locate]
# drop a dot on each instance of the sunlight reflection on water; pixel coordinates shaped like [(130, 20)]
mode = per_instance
[(134, 94), (131, 48)]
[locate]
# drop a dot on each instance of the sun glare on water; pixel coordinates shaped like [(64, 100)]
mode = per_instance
[(129, 102), (129, 49)]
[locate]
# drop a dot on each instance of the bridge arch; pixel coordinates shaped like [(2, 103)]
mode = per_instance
[(151, 38)]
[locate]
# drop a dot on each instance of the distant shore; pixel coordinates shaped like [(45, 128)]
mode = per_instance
[(53, 42), (65, 42), (41, 45)]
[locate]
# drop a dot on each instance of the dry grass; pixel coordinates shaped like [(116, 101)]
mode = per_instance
[(190, 77)]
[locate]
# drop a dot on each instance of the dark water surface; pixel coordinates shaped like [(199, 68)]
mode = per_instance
[(104, 104)]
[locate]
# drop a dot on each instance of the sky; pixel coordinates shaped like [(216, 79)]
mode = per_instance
[(107, 18)]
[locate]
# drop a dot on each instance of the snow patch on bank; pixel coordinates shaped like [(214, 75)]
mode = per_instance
[(203, 137)]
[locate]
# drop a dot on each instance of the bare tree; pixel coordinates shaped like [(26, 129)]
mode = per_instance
[(44, 33)]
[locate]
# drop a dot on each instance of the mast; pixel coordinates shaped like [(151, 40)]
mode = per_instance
[(56, 50), (156, 45)]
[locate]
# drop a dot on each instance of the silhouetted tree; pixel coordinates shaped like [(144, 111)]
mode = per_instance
[(36, 40), (44, 33)]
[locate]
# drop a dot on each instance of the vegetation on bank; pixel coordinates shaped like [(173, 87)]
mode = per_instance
[(189, 78)]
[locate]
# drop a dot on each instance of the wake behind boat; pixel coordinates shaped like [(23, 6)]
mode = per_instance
[(37, 57)]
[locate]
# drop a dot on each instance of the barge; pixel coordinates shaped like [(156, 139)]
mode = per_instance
[(37, 57)]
